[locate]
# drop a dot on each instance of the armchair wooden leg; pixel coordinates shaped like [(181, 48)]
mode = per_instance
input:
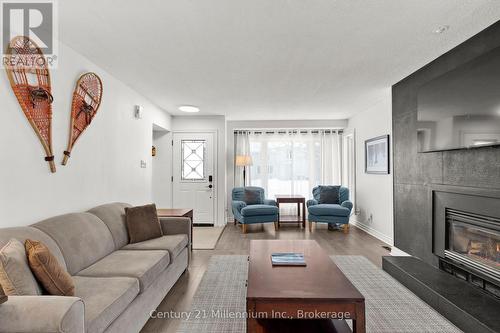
[(310, 226), (276, 226), (346, 228), (244, 227)]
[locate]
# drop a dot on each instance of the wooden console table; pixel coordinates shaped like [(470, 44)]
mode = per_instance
[(299, 200), (178, 212)]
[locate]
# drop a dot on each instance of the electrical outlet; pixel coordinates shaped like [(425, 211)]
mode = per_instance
[(357, 211), (143, 164)]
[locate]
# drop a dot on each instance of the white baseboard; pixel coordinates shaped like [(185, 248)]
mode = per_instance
[(374, 232)]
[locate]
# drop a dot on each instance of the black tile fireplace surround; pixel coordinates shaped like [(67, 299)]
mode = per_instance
[(427, 272)]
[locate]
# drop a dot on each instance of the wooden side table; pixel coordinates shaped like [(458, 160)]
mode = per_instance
[(178, 212), (299, 200)]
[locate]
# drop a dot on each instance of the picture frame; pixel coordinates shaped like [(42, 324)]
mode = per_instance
[(377, 160)]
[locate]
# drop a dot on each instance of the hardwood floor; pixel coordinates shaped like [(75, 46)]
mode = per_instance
[(232, 241)]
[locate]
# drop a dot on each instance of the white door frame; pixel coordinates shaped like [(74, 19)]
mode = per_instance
[(215, 167)]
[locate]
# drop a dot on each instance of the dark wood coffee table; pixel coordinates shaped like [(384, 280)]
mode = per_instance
[(313, 294)]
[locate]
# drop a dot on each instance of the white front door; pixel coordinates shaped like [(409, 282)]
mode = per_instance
[(194, 174)]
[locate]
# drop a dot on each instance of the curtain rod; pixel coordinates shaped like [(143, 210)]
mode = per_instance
[(290, 129), (285, 131)]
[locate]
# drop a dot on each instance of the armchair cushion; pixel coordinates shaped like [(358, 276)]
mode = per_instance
[(329, 210), (253, 197), (257, 210), (329, 194)]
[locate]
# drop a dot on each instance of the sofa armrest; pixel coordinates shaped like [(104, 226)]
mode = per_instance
[(347, 204), (311, 202), (270, 202), (176, 225), (42, 314)]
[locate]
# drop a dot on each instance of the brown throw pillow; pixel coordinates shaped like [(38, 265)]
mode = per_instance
[(16, 277), (142, 223), (47, 270)]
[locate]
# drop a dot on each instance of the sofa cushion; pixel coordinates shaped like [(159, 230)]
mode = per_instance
[(16, 277), (174, 244), (51, 275), (82, 237), (143, 265), (113, 215), (329, 210), (105, 299), (257, 210), (23, 233), (142, 223)]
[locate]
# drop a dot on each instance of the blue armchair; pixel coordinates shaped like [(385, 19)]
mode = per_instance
[(330, 213), (265, 210)]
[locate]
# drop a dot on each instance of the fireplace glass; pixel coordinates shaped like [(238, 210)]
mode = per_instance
[(477, 244)]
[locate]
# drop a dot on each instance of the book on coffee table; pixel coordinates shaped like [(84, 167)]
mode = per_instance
[(288, 259)]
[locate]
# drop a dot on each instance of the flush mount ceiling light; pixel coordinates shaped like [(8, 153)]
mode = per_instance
[(189, 108), (441, 29)]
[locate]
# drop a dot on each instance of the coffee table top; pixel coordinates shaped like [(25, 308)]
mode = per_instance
[(321, 279)]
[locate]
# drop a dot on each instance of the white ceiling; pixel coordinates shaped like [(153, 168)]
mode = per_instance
[(268, 59)]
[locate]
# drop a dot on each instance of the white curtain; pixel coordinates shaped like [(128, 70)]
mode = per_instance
[(291, 161), (241, 148)]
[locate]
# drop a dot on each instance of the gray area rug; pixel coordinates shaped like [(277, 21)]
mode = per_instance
[(219, 302)]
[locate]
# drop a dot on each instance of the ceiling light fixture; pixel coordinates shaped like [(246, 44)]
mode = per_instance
[(441, 29), (189, 108)]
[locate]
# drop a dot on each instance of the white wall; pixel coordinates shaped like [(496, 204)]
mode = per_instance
[(374, 192), (210, 123), (162, 168), (261, 124), (105, 163)]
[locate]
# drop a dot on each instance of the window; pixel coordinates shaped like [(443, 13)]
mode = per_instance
[(193, 159)]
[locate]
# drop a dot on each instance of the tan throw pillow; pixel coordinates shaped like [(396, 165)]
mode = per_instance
[(48, 271), (3, 297), (142, 223), (16, 277)]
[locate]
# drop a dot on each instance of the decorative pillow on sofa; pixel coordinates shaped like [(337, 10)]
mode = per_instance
[(142, 223), (3, 297), (54, 278), (252, 197), (16, 277), (329, 195)]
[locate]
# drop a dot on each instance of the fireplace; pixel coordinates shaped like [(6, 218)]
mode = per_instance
[(466, 234), (473, 240)]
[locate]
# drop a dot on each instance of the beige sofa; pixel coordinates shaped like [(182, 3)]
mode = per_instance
[(117, 284)]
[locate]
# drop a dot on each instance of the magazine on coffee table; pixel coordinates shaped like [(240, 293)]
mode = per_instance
[(288, 259)]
